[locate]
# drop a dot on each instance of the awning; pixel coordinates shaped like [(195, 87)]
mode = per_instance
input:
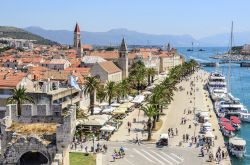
[(119, 111), (207, 124), (223, 119), (209, 134), (115, 104), (107, 128), (138, 99), (126, 105), (94, 120), (97, 110), (204, 114), (235, 120), (108, 110), (104, 104), (228, 127), (237, 141)]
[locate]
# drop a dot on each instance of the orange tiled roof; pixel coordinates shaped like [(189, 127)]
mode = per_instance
[(82, 71), (87, 46), (109, 67), (108, 55), (61, 75), (10, 78)]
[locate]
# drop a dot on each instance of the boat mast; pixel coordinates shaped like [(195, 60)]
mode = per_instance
[(229, 62)]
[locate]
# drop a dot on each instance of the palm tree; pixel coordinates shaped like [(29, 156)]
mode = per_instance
[(138, 74), (91, 86), (101, 94), (110, 89), (151, 73), (122, 89), (18, 97), (149, 111)]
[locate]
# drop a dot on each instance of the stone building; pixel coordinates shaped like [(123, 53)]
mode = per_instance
[(39, 139), (56, 64), (10, 79), (123, 59), (77, 41), (107, 71)]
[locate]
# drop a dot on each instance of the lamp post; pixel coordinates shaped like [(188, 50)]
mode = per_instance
[(93, 140)]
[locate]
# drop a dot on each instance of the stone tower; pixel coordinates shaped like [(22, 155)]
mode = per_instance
[(77, 41), (123, 59)]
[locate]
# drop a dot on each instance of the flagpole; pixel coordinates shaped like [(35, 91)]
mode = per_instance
[(71, 95)]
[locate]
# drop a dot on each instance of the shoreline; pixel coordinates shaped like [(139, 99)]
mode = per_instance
[(178, 109)]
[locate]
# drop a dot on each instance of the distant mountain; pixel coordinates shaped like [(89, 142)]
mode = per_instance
[(17, 33), (113, 37), (240, 38)]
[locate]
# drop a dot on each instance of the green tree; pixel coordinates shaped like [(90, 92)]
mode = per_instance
[(123, 88), (110, 89), (101, 94), (149, 111), (91, 86), (137, 74), (151, 72), (19, 97)]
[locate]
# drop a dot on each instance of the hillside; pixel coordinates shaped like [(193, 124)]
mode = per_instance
[(113, 37), (17, 33)]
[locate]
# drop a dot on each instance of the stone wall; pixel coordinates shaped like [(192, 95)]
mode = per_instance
[(25, 144), (14, 145)]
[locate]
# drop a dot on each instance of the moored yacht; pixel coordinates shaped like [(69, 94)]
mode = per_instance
[(237, 147), (217, 86)]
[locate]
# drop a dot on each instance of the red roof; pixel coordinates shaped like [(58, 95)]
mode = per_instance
[(77, 28)]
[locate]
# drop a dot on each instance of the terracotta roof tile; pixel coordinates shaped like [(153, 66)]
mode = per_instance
[(109, 67)]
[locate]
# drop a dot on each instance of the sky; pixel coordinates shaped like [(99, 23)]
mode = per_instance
[(199, 18)]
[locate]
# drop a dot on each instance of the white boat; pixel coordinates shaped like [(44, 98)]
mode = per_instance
[(217, 86), (237, 147), (245, 117), (218, 93), (230, 106)]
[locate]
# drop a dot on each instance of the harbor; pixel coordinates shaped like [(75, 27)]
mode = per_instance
[(239, 87)]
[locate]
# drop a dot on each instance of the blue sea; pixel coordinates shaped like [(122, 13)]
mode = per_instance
[(240, 86)]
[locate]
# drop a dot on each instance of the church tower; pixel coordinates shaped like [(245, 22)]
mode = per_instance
[(77, 41), (123, 59)]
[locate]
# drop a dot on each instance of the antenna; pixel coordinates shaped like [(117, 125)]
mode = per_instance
[(229, 61)]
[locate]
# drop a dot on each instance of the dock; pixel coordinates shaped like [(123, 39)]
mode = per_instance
[(216, 64)]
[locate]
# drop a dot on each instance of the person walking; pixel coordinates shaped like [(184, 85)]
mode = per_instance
[(176, 131)]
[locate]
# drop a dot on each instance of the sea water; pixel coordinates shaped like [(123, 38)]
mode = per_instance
[(239, 86)]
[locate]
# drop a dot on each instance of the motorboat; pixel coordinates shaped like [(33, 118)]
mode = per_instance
[(227, 129), (237, 147), (245, 117), (229, 107), (235, 121), (217, 86), (218, 93)]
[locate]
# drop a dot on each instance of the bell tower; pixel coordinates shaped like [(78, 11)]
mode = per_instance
[(123, 59), (77, 41)]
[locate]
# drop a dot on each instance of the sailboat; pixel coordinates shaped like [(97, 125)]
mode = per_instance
[(189, 50)]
